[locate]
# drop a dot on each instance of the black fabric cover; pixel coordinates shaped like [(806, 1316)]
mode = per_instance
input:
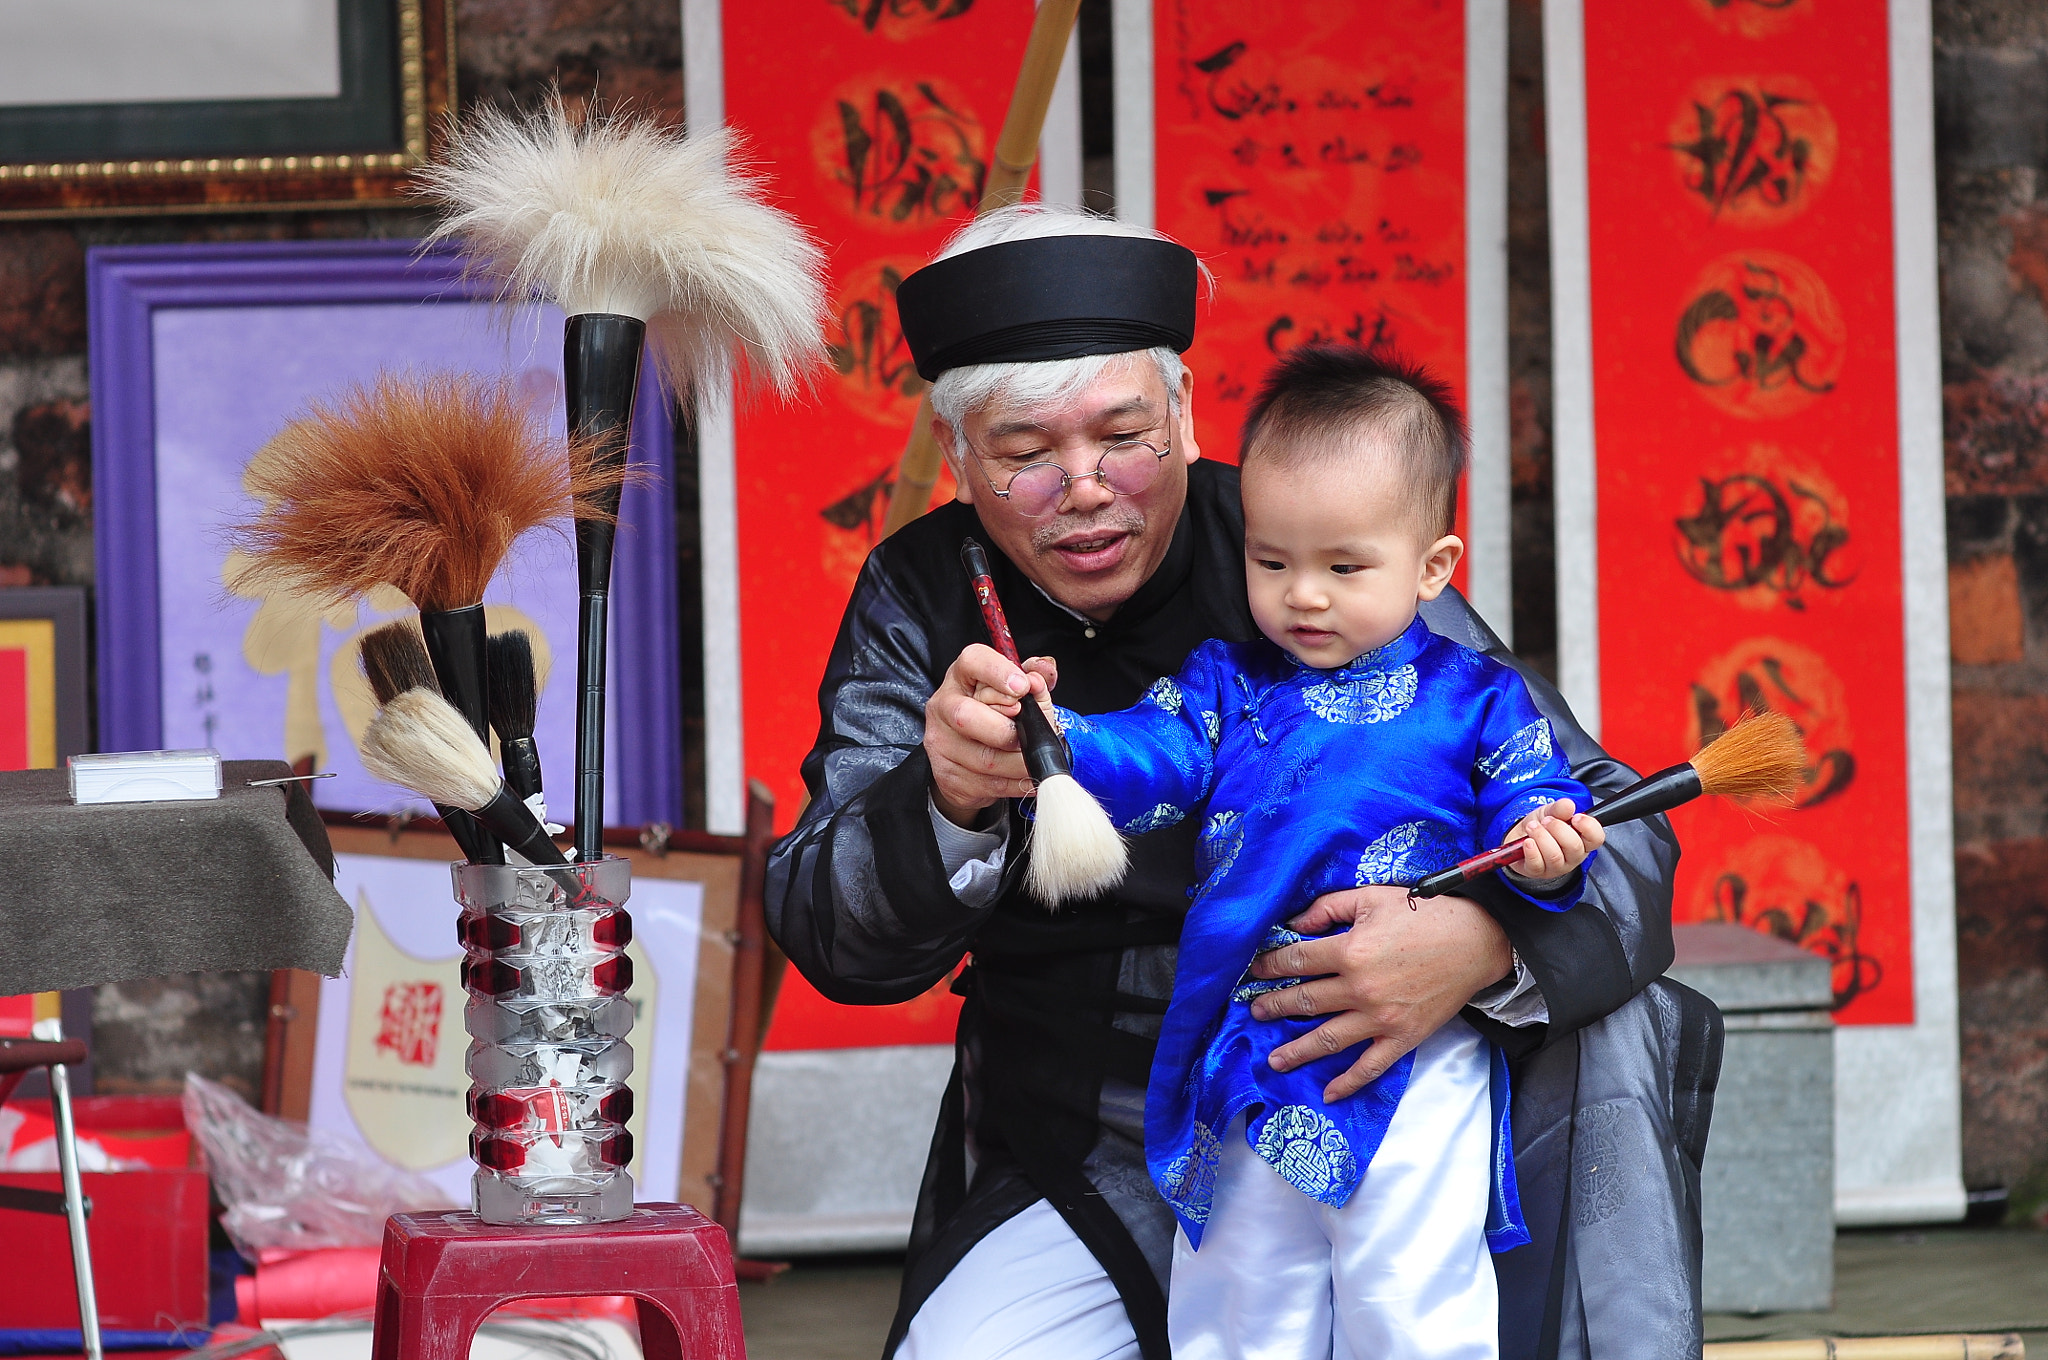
[(113, 891), (1057, 297)]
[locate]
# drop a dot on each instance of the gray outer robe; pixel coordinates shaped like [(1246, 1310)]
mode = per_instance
[(1611, 1098)]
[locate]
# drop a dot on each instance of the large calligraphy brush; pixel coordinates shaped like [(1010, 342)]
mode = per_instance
[(1759, 757), (424, 484), (394, 661), (1075, 848), (644, 238)]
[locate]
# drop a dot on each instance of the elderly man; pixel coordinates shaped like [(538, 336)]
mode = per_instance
[(1053, 341)]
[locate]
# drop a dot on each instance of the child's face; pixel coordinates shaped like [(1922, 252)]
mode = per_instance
[(1336, 556)]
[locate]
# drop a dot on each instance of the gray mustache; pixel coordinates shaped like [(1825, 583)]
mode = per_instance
[(1111, 519)]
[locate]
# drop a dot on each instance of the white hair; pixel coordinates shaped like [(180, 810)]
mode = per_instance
[(962, 391)]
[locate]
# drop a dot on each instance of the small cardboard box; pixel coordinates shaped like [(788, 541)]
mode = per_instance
[(148, 1228)]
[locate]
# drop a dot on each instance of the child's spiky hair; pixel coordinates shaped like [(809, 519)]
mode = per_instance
[(1321, 401)]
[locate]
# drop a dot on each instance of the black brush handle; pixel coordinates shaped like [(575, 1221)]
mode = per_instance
[(1045, 755), (514, 820), (521, 758), (591, 629), (469, 837), (1660, 792), (601, 371), (455, 644)]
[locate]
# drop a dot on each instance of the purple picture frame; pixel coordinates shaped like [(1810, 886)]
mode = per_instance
[(127, 286)]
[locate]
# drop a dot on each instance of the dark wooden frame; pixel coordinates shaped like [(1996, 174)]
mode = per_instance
[(251, 170), (734, 869)]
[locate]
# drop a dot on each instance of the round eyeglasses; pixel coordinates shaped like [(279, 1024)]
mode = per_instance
[(1036, 489)]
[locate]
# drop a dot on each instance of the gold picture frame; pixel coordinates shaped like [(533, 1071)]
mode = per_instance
[(410, 96)]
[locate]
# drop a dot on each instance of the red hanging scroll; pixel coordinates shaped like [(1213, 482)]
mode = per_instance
[(875, 121), (1313, 155), (1747, 431)]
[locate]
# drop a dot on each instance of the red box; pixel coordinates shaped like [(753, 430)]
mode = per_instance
[(148, 1233)]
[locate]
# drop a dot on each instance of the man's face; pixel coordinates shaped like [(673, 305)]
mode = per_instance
[(1094, 548)]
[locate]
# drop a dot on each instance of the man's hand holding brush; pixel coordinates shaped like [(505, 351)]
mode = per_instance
[(969, 733)]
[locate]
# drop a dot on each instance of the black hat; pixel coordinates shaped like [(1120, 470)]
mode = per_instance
[(1049, 297)]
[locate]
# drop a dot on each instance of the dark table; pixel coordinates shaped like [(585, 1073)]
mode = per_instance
[(113, 891)]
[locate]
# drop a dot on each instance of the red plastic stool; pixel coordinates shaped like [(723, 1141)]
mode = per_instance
[(443, 1274)]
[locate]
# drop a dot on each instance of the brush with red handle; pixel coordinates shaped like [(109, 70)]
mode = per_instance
[(1075, 848), (1759, 757)]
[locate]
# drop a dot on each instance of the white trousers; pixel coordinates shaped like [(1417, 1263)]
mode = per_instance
[(1027, 1291), (1401, 1272)]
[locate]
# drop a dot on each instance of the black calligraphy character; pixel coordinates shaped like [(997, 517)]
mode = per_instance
[(1833, 931), (1746, 534), (871, 344), (862, 508), (1745, 149), (1235, 97), (1772, 691), (872, 12), (1775, 348), (905, 166)]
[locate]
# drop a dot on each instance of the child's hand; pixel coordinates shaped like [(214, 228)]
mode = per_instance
[(1556, 841), (1042, 672)]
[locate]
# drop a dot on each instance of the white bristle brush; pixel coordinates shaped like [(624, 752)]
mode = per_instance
[(420, 742), (623, 216), (1076, 850)]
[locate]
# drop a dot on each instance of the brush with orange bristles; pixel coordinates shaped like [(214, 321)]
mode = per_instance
[(422, 483), (1760, 757)]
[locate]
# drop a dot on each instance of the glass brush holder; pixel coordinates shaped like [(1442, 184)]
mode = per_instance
[(546, 970)]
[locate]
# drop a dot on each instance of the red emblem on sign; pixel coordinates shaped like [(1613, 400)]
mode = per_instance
[(410, 1027)]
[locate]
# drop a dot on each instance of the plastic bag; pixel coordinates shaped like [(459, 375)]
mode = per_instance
[(286, 1185)]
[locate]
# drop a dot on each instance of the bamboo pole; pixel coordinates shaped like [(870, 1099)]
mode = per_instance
[(917, 472), (1955, 1347)]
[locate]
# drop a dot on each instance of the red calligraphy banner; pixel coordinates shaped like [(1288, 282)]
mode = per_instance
[(1746, 426), (1313, 154), (875, 122)]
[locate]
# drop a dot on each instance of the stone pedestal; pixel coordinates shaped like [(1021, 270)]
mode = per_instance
[(1768, 1186)]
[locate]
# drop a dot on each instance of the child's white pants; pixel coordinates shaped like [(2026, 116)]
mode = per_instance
[(1401, 1272)]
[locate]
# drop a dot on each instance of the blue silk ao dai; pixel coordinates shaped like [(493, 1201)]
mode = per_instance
[(1407, 760)]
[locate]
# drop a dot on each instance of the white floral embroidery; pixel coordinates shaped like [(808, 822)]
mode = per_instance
[(1212, 723), (1372, 697), (1165, 693), (1164, 814), (1217, 849), (1310, 1153), (1190, 1180), (1522, 756), (1407, 852)]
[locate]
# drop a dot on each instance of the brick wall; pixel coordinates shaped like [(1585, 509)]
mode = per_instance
[(1991, 79)]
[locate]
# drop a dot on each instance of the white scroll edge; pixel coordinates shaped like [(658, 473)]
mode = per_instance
[(1898, 1088), (1131, 78), (1489, 569), (1574, 471), (725, 800)]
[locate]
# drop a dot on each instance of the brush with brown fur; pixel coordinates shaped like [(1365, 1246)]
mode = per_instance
[(422, 483), (1760, 757)]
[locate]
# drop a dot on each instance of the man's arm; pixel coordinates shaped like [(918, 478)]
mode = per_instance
[(858, 938)]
